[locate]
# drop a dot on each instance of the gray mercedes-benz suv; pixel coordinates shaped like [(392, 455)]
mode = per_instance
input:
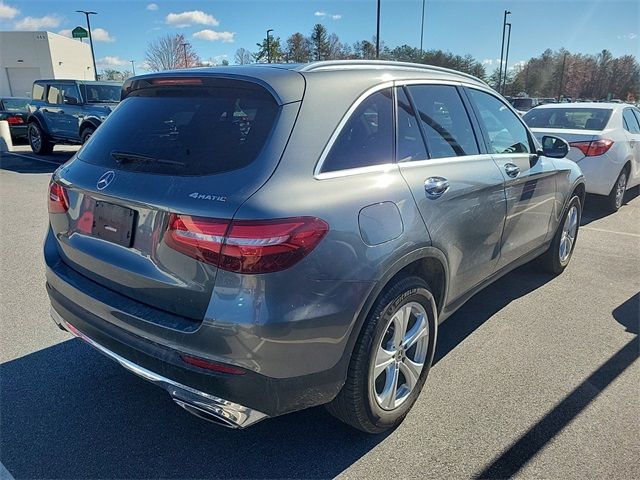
[(262, 239)]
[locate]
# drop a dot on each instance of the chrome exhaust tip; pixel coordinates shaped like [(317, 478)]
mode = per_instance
[(206, 414)]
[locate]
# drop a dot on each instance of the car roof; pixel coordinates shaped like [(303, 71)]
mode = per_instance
[(286, 81), (602, 105)]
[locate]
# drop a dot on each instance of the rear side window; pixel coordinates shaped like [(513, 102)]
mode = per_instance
[(367, 137), (53, 95), (185, 130), (630, 121), (445, 121), (506, 132), (568, 118), (410, 143), (37, 92)]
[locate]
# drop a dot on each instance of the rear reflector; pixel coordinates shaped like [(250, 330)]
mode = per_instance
[(58, 202), (594, 148), (15, 120), (246, 246), (213, 366)]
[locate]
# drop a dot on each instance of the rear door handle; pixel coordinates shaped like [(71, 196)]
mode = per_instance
[(435, 187), (511, 169)]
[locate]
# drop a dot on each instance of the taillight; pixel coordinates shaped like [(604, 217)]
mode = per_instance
[(246, 246), (594, 148), (15, 120), (58, 202)]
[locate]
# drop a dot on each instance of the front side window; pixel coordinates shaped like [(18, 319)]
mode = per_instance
[(53, 95), (70, 90), (367, 137), (445, 121), (630, 121), (506, 132)]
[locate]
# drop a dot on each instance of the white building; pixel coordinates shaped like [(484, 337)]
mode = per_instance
[(29, 56)]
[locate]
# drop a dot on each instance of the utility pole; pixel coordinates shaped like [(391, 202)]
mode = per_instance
[(506, 59), (269, 45), (564, 59), (422, 29), (93, 55), (504, 26), (133, 67), (378, 33), (186, 62)]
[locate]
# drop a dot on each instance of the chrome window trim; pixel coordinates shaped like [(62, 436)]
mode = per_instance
[(444, 160), (317, 172), (381, 168)]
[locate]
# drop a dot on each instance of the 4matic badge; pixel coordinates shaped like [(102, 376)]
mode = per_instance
[(208, 196)]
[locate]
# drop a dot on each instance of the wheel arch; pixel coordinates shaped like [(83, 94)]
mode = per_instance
[(88, 123), (36, 118)]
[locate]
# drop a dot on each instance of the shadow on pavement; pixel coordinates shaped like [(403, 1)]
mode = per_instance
[(595, 206), (27, 162), (509, 463), (68, 412)]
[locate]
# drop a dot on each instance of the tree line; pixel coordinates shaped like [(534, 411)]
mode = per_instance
[(552, 74)]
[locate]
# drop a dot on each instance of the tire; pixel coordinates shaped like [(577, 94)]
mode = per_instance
[(367, 389), (616, 197), (86, 133), (38, 140), (557, 257)]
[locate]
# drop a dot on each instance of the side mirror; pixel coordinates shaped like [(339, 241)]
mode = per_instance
[(71, 100), (554, 147)]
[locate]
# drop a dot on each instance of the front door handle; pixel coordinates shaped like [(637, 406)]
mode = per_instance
[(511, 169), (435, 187)]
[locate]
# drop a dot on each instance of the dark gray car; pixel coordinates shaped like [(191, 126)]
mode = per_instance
[(262, 239)]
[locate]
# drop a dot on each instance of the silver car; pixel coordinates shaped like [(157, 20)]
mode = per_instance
[(261, 239)]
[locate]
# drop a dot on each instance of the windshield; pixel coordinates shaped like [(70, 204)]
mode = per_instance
[(568, 118), (15, 104), (184, 130), (95, 93), (522, 103)]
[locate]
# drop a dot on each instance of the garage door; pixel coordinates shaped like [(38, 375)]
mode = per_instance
[(21, 79)]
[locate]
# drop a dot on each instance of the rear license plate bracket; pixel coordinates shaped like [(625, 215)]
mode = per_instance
[(113, 223)]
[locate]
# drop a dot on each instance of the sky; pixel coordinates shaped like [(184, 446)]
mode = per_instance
[(217, 28)]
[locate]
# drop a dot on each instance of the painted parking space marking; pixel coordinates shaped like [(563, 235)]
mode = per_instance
[(616, 232)]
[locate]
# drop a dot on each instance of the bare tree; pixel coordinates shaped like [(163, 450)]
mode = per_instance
[(111, 74), (298, 48), (169, 52), (242, 56)]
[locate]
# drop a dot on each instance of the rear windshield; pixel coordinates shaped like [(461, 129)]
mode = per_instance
[(185, 130), (522, 103), (16, 104), (568, 118)]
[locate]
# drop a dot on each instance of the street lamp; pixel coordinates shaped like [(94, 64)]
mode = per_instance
[(133, 67), (506, 59), (186, 62), (504, 26), (378, 33), (93, 56), (422, 28), (269, 45)]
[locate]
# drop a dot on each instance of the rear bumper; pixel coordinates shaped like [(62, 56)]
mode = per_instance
[(204, 405), (18, 130)]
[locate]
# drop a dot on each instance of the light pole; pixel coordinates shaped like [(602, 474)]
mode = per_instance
[(422, 28), (378, 33), (133, 67), (269, 45), (506, 59), (184, 47), (504, 26), (564, 59), (93, 56)]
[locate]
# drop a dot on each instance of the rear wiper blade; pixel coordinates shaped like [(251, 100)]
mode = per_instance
[(125, 157)]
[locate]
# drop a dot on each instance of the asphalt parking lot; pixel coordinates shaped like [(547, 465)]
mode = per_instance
[(535, 377)]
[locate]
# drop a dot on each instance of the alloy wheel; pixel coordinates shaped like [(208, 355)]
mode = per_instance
[(569, 232), (35, 139), (400, 356), (621, 187)]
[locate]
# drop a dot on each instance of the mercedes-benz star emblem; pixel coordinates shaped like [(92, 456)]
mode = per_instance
[(105, 180)]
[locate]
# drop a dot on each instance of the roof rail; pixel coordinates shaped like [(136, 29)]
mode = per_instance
[(348, 64)]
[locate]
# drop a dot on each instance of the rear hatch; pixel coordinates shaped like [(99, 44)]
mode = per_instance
[(197, 147)]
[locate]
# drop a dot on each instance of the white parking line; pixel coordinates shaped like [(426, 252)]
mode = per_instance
[(611, 231), (4, 473), (33, 158)]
